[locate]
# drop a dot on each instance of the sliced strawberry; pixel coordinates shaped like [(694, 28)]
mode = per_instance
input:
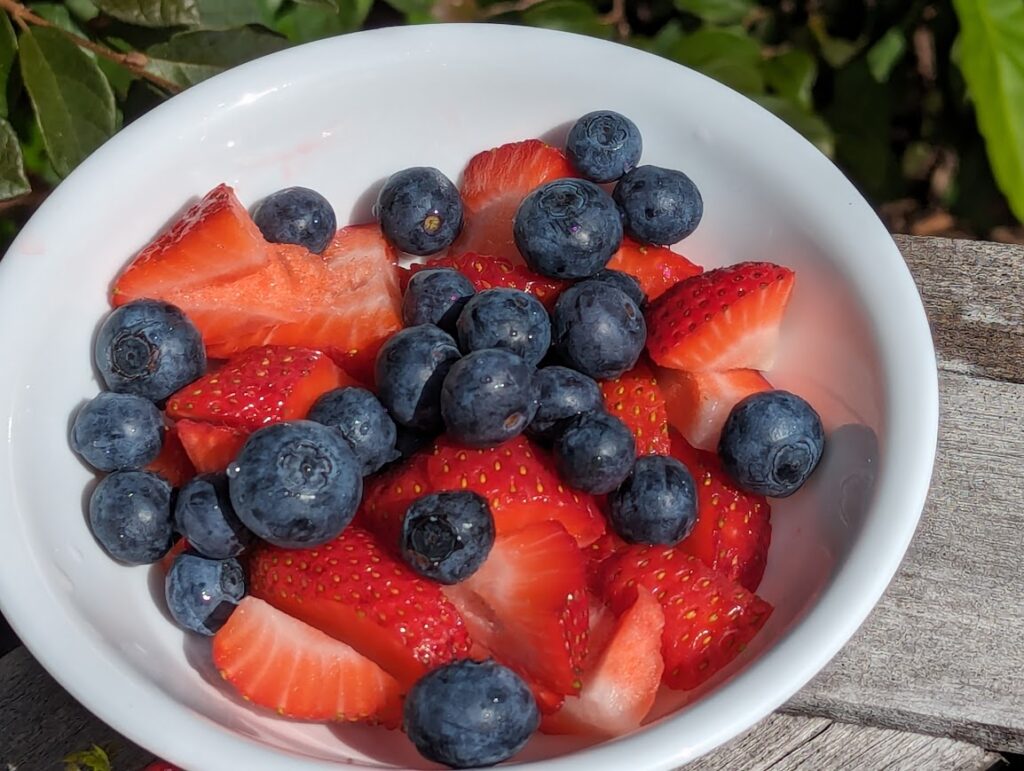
[(210, 447), (215, 241), (173, 463), (528, 605), (486, 272), (517, 481), (595, 555), (388, 495), (657, 268), (494, 184), (260, 386), (733, 529), (278, 662), (621, 682), (708, 618), (637, 400), (727, 318), (699, 402), (355, 591)]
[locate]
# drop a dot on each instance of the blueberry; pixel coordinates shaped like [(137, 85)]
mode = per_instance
[(436, 296), (447, 536), (509, 319), (296, 215), (659, 206), (595, 452), (118, 431), (771, 443), (130, 515), (568, 228), (419, 210), (204, 515), (150, 349), (364, 423), (410, 368), (603, 145), (625, 282), (409, 440), (562, 394), (488, 397), (202, 593), (296, 484), (657, 504), (598, 329), (470, 714)]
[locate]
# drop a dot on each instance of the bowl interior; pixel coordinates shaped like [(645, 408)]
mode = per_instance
[(339, 116)]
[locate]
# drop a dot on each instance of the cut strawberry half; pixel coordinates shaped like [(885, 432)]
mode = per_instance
[(388, 495), (699, 402), (657, 268), (637, 400), (595, 555), (210, 447), (355, 591), (727, 318), (621, 681), (278, 662), (487, 272), (494, 184), (528, 605), (173, 463)]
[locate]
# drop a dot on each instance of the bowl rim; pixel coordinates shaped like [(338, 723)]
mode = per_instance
[(762, 686)]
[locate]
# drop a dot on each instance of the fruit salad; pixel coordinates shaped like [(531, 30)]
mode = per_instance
[(498, 462)]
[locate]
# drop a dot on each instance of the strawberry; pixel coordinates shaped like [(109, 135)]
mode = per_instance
[(733, 529), (260, 386), (699, 402), (161, 765), (657, 268), (636, 399), (486, 272), (620, 679), (173, 463), (708, 618), (727, 318), (215, 241), (210, 447), (600, 550), (388, 495), (277, 662), (494, 184), (353, 590), (517, 481), (527, 604)]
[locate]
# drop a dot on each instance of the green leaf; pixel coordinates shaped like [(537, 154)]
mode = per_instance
[(92, 759), (73, 101), (119, 77), (330, 5), (835, 51), (568, 16), (992, 61), (813, 128), (59, 16), (190, 57), (223, 14), (153, 13), (302, 23), (83, 10), (8, 53), (716, 11), (886, 54), (791, 76), (726, 54), (13, 181)]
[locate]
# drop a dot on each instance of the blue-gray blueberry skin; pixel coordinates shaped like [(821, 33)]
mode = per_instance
[(657, 504), (296, 484), (568, 228), (598, 330), (363, 421), (204, 515), (562, 394), (296, 215), (470, 714), (149, 348), (409, 440), (447, 536), (115, 432), (509, 319), (202, 593), (623, 281), (130, 516), (436, 296), (419, 210), (409, 371), (659, 206), (771, 443), (595, 452), (603, 145), (488, 397)]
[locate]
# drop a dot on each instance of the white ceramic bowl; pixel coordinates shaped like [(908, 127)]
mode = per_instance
[(338, 116)]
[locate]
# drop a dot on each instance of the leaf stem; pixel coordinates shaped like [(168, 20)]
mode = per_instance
[(135, 61)]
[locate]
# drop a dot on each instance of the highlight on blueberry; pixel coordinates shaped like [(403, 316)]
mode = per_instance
[(447, 536), (130, 516), (603, 145), (202, 593), (410, 368), (598, 329), (656, 504), (436, 296), (363, 421), (659, 206), (506, 318), (595, 452), (419, 210), (117, 431)]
